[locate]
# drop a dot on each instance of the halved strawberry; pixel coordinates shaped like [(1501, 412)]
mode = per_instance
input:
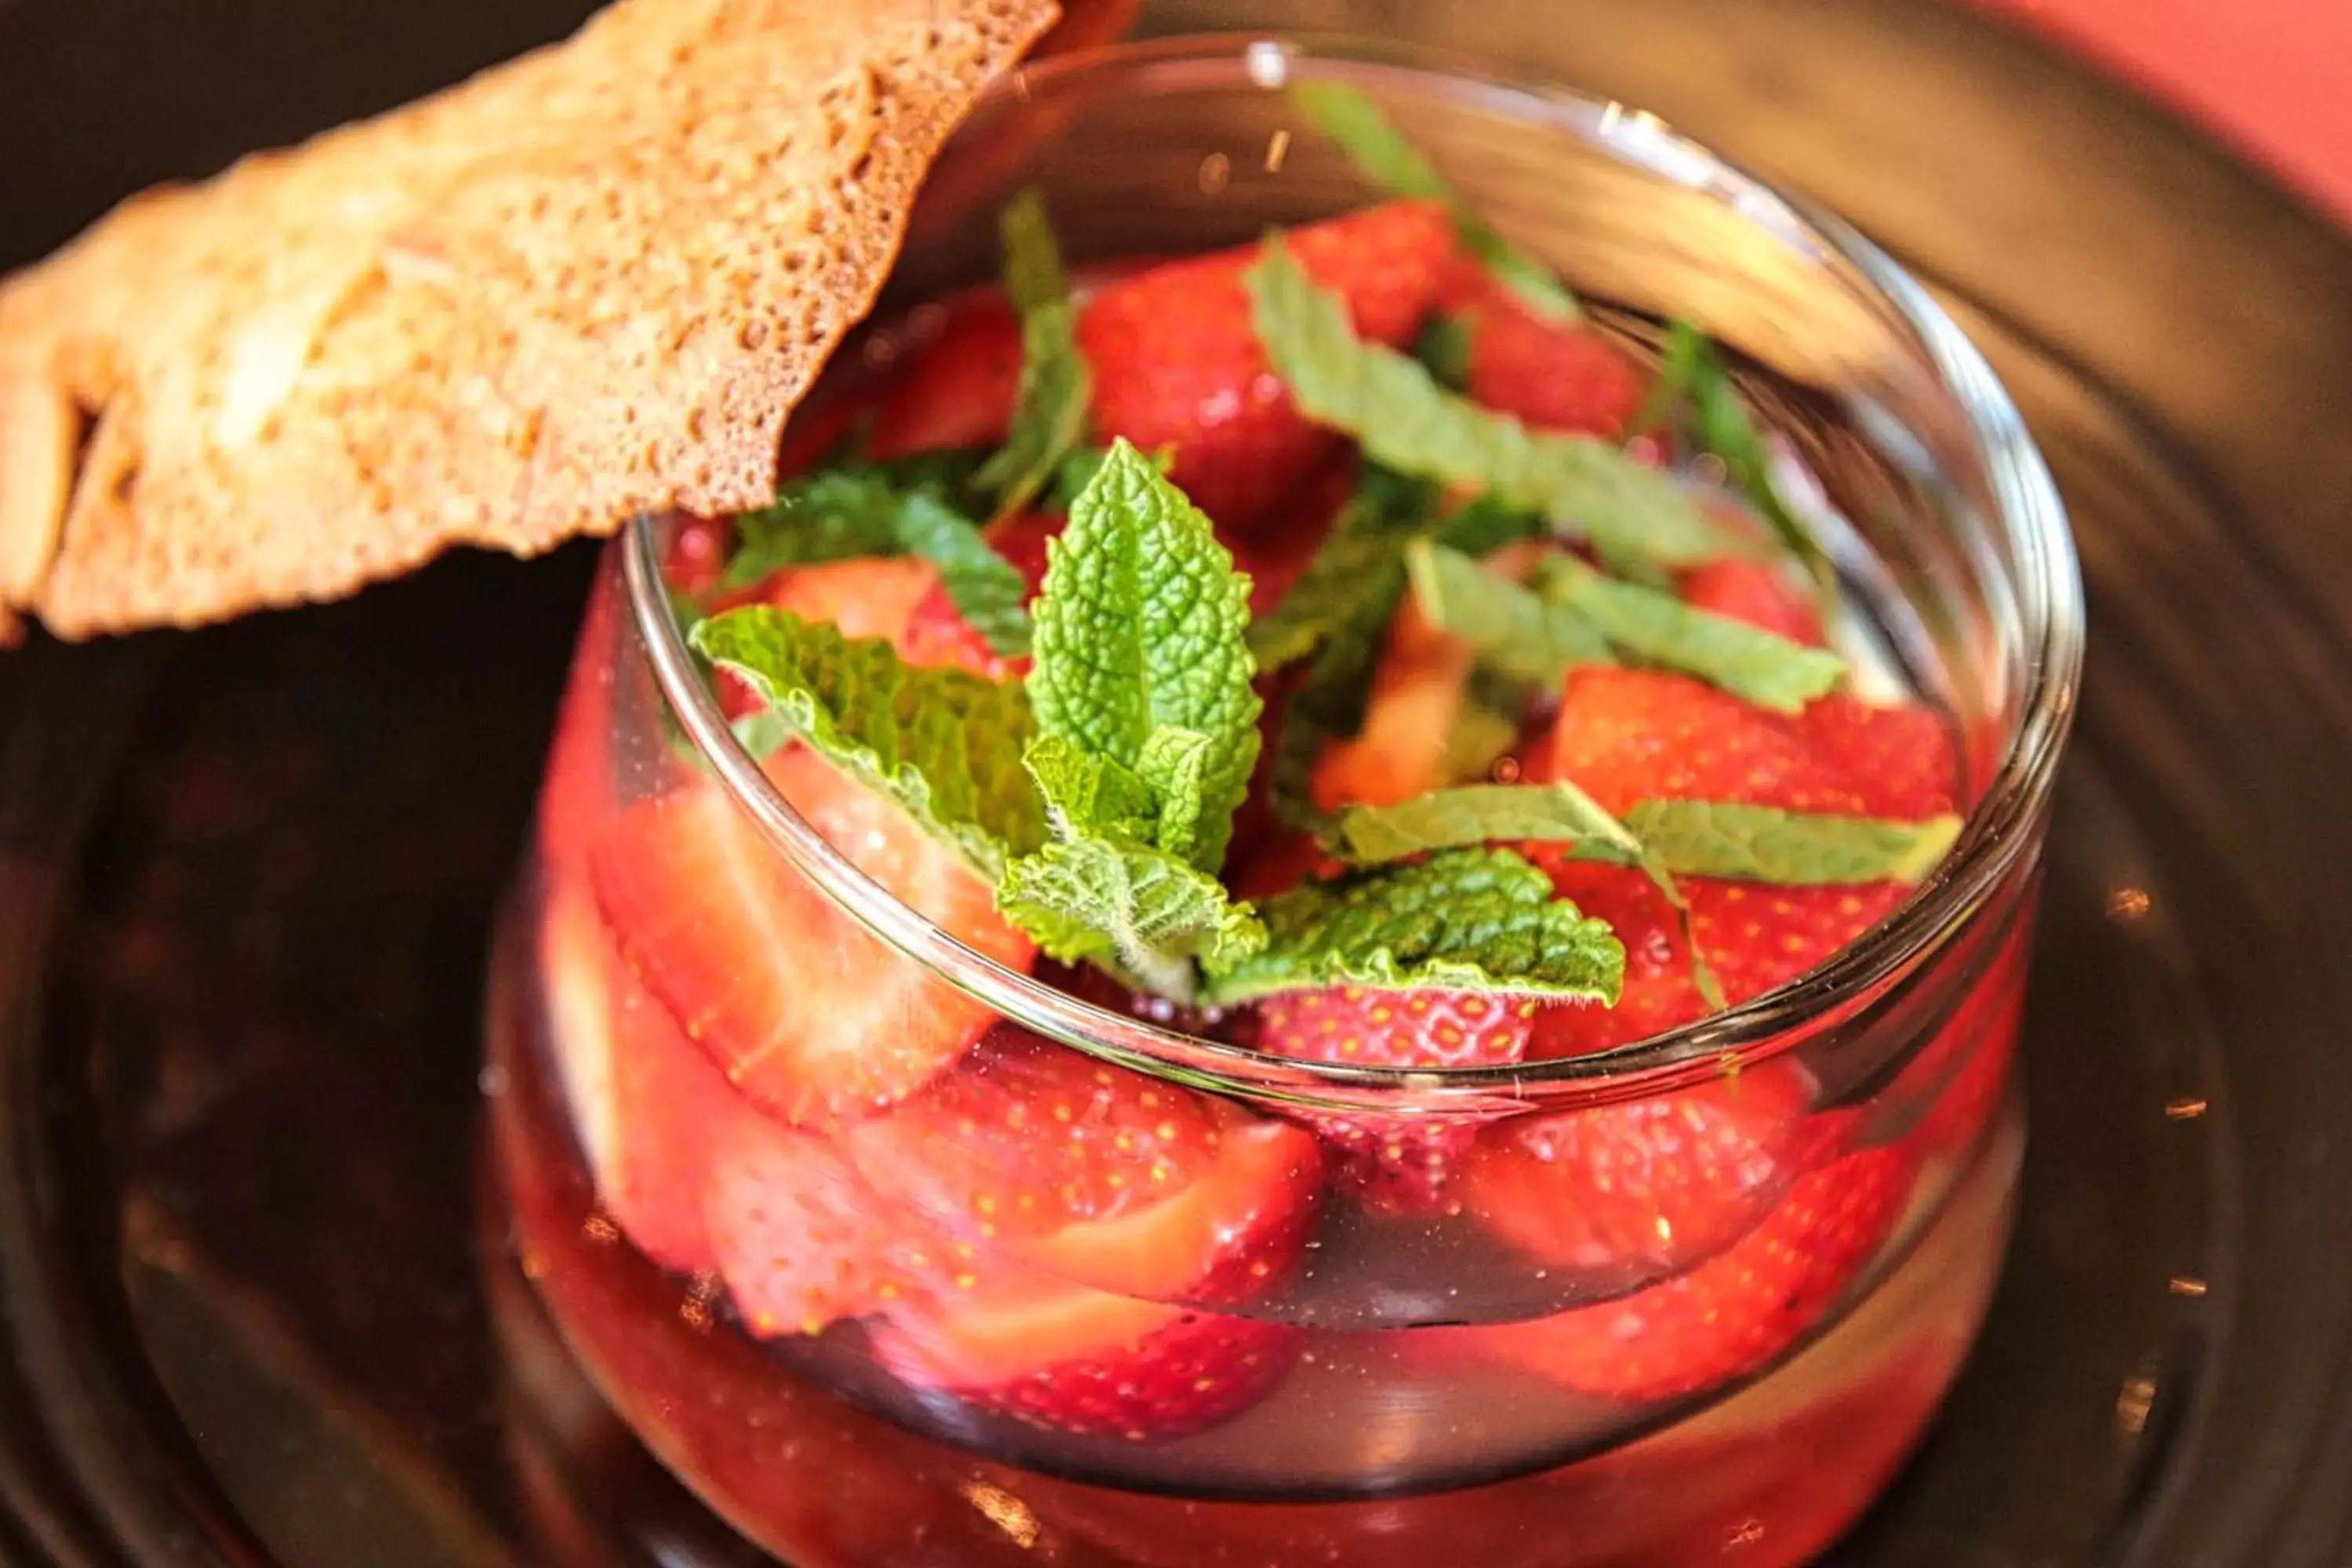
[(1070, 1358), (575, 796), (1555, 376), (1628, 735), (1754, 592), (644, 1104), (869, 596), (1098, 1173), (1396, 1164), (801, 1241), (1646, 1186), (937, 632), (1731, 1315), (1176, 361), (1897, 757), (1966, 1066), (808, 1013), (961, 389)]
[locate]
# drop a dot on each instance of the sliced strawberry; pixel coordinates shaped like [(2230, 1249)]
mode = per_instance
[(644, 1104), (1733, 1314), (801, 1241), (961, 389), (808, 1013), (1649, 1185), (1755, 937), (696, 554), (1897, 757), (1628, 735), (870, 596), (1966, 1066), (575, 797), (1553, 376), (937, 632), (1416, 696), (1102, 1174), (1070, 1358), (1176, 361), (1756, 592), (1396, 1165)]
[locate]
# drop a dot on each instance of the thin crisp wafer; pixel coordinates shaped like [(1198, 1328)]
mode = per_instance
[(590, 282)]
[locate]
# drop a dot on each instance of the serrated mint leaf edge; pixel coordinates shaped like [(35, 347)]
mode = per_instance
[(1789, 848)]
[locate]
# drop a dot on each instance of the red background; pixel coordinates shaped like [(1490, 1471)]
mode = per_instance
[(2272, 75)]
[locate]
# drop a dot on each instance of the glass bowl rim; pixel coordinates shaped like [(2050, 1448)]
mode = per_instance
[(1999, 828)]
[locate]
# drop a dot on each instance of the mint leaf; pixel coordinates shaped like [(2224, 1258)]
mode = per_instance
[(1463, 919), (1442, 347), (1719, 419), (1085, 792), (943, 744), (838, 514), (1403, 419), (1141, 624), (1509, 627), (1376, 146), (1767, 669), (1049, 410), (1140, 911), (988, 591), (1102, 891), (1476, 814), (1546, 812), (1174, 766), (1788, 848)]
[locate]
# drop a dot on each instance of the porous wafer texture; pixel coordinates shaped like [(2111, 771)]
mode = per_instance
[(587, 283)]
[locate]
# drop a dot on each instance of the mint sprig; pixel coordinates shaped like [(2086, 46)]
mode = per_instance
[(943, 744), (1372, 141), (1463, 919), (986, 589), (1049, 409), (1141, 624), (1654, 627), (1393, 408)]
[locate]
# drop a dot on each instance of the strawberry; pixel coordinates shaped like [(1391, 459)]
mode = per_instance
[(1416, 695), (1096, 1173), (1731, 1315), (696, 554), (1755, 593), (1648, 1186), (1898, 758), (1966, 1066), (1397, 1165), (576, 795), (808, 1013), (801, 1241), (937, 634), (1069, 1358), (869, 596), (644, 1101), (1628, 735), (1755, 937), (960, 392), (1176, 361), (1553, 376)]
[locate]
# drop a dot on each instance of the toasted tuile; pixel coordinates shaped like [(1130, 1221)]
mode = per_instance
[(587, 283)]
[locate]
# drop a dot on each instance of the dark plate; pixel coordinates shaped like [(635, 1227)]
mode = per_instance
[(246, 877)]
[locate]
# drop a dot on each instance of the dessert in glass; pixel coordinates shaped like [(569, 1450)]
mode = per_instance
[(1344, 879)]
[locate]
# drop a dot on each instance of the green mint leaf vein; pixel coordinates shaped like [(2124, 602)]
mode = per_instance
[(988, 591), (943, 744), (1463, 919), (1049, 410), (1403, 419), (1511, 628), (1372, 141), (1788, 848), (1650, 625), (1141, 624)]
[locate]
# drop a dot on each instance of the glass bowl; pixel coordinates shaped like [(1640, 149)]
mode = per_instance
[(1358, 1380)]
